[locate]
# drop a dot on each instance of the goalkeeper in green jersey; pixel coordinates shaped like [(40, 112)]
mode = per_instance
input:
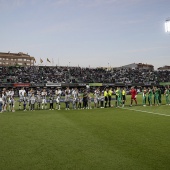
[(118, 97)]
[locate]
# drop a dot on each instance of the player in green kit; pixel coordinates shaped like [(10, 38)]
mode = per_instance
[(159, 96), (118, 97), (150, 94), (156, 95), (166, 93), (153, 90), (144, 96)]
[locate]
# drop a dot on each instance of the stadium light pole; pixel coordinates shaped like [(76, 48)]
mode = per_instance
[(167, 26), (69, 71)]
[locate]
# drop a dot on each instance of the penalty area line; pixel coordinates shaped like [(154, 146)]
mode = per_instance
[(160, 114)]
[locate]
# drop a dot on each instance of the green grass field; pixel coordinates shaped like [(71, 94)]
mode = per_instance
[(133, 138)]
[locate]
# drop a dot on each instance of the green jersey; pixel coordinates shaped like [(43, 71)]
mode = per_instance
[(118, 93), (156, 92), (166, 92), (150, 93), (159, 92)]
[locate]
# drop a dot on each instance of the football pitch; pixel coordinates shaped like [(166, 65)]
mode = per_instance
[(129, 138)]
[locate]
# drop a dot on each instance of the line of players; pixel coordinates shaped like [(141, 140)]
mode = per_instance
[(7, 101), (154, 96), (71, 98), (32, 100), (40, 100), (100, 98)]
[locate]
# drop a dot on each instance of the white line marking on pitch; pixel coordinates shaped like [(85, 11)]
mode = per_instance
[(160, 114)]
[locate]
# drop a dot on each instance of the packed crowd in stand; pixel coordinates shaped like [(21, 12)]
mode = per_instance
[(59, 74), (74, 99)]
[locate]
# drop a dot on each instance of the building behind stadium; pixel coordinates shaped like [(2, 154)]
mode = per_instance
[(139, 66), (14, 59), (164, 68)]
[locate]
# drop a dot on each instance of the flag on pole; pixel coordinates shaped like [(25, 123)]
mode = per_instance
[(48, 60), (41, 61)]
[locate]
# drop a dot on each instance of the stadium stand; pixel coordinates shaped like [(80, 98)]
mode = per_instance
[(59, 74)]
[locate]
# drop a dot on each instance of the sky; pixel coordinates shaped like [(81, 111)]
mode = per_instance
[(87, 33)]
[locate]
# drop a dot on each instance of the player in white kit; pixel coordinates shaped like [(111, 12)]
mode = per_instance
[(58, 98), (44, 99), (21, 96)]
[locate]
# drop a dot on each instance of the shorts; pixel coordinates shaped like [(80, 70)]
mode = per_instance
[(95, 100), (133, 97), (58, 101), (20, 100), (123, 97), (44, 101)]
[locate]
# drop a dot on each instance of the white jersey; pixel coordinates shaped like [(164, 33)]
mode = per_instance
[(95, 100), (102, 97), (89, 99), (25, 100), (96, 93), (59, 92), (22, 92), (67, 98), (75, 94), (11, 93), (32, 99), (68, 91), (44, 97), (29, 94), (11, 101), (4, 99), (38, 98), (79, 100), (8, 93), (58, 95)]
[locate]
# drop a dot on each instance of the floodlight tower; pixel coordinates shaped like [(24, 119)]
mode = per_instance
[(167, 25)]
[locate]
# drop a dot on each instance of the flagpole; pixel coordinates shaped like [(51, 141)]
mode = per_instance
[(48, 61), (41, 62)]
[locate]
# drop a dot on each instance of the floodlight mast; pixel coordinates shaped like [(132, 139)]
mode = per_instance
[(167, 26)]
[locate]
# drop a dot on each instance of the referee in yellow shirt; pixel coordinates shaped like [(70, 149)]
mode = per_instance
[(106, 96), (110, 92), (123, 96)]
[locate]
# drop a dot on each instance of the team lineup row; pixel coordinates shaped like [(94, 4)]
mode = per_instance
[(32, 100)]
